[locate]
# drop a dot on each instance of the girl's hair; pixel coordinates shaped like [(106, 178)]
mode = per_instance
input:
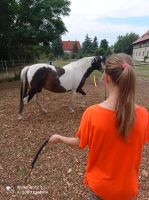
[(120, 68)]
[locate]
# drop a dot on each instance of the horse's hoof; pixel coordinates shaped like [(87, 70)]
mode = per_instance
[(83, 106), (71, 111), (20, 117), (25, 100), (44, 111)]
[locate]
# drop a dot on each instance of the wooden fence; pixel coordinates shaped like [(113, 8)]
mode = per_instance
[(11, 70)]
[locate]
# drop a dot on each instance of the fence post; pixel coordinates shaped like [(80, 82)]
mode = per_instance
[(2, 65), (6, 68)]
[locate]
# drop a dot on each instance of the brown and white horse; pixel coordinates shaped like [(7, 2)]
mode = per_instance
[(71, 77)]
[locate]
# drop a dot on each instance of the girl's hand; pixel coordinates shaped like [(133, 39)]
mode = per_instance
[(54, 139)]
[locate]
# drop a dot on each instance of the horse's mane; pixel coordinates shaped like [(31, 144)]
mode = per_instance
[(83, 61)]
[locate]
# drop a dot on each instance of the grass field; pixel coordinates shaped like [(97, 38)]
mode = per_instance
[(142, 71)]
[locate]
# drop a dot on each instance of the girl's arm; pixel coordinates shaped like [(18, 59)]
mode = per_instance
[(70, 141)]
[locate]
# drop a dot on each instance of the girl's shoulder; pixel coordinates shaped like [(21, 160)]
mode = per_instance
[(99, 107), (142, 112), (140, 108)]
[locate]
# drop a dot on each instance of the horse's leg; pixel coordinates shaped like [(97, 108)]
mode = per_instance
[(20, 117), (39, 104), (84, 103), (30, 95), (71, 106), (23, 93)]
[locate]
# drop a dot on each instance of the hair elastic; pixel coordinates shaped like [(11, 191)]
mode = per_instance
[(125, 65)]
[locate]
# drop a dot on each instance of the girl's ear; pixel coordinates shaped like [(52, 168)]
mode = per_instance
[(107, 78), (103, 78)]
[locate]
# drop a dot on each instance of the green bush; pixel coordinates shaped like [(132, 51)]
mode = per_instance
[(66, 56), (14, 78)]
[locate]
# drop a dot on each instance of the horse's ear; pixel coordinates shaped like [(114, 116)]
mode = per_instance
[(98, 58), (94, 61), (103, 59)]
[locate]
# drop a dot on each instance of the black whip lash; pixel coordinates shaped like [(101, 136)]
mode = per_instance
[(35, 159)]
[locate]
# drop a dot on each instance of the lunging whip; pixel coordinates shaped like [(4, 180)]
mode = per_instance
[(35, 159)]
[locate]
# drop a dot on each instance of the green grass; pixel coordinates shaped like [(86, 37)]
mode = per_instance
[(60, 63), (142, 71)]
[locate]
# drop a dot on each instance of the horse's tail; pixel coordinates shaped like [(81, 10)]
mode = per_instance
[(23, 87)]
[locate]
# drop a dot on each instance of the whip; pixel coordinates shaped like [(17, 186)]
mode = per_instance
[(35, 159)]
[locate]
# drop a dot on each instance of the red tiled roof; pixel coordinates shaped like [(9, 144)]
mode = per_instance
[(142, 38), (68, 45)]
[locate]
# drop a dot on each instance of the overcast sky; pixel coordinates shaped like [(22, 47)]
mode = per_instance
[(106, 19)]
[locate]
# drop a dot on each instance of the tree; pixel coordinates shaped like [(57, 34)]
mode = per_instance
[(7, 16), (95, 43), (100, 51), (104, 44), (104, 49), (124, 43), (75, 47), (57, 47), (87, 45), (31, 23)]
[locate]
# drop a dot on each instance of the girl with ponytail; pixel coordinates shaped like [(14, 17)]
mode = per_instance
[(114, 132), (119, 68)]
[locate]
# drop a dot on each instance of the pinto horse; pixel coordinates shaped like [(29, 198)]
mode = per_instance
[(71, 77)]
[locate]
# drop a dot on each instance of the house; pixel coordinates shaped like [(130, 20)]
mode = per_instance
[(141, 47), (68, 46)]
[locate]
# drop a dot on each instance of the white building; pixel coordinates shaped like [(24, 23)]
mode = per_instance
[(141, 47)]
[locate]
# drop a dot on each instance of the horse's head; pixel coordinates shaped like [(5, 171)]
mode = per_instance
[(98, 63)]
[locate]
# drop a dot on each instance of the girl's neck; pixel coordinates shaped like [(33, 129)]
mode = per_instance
[(110, 102)]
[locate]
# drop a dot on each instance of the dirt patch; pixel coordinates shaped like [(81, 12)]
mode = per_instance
[(59, 171)]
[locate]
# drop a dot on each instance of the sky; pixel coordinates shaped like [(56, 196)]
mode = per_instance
[(106, 19)]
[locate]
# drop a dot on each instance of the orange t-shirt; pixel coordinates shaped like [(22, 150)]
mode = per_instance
[(113, 164)]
